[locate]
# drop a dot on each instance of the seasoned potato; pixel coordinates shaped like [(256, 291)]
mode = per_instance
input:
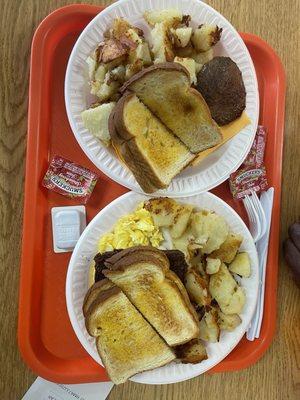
[(208, 326), (236, 302), (100, 73), (210, 229), (118, 74), (190, 65), (119, 27), (222, 286), (228, 322), (112, 50), (212, 265), (162, 46), (186, 51), (206, 36), (202, 58), (241, 265), (181, 36), (162, 210), (142, 52), (192, 352), (181, 220), (182, 242), (228, 249), (167, 212), (106, 89), (197, 288), (133, 68), (169, 16)]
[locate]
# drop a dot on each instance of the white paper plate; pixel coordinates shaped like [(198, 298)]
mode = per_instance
[(217, 167), (86, 248)]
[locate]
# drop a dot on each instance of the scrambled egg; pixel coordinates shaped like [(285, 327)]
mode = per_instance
[(133, 229)]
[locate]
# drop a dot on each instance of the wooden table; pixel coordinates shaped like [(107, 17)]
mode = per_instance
[(276, 375)]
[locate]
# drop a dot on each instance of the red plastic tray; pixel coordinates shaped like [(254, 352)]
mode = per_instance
[(46, 339)]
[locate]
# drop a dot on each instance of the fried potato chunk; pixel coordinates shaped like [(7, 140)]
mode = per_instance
[(228, 249), (241, 265)]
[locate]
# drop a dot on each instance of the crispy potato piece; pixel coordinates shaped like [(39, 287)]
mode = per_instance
[(206, 36), (236, 303), (169, 16), (210, 229), (192, 352), (181, 220), (133, 68), (190, 65), (228, 322), (212, 265), (222, 286), (209, 328), (107, 89), (162, 210), (123, 31), (197, 288), (142, 52), (118, 74), (181, 36), (162, 46), (228, 249), (241, 265), (169, 213), (111, 50), (224, 289)]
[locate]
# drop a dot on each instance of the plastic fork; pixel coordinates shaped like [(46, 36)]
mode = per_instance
[(260, 212), (254, 221)]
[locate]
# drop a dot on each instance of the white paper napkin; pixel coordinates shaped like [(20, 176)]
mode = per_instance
[(45, 390)]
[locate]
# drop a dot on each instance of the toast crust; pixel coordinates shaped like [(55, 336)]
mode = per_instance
[(96, 288), (169, 66)]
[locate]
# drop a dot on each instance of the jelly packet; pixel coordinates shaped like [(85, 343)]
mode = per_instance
[(70, 179), (251, 176)]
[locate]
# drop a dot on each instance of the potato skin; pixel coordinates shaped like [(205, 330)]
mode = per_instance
[(292, 257)]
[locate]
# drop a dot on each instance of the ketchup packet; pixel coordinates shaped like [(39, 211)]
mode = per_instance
[(251, 176), (69, 179), (248, 179)]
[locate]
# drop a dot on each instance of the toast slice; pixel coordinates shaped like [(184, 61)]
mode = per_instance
[(93, 293), (126, 342), (150, 150), (166, 90), (144, 276)]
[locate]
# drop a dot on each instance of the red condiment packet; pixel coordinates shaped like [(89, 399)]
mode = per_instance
[(251, 176), (256, 154), (248, 179), (69, 179)]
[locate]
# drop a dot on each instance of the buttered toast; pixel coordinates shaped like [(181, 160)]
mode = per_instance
[(166, 90), (126, 342), (144, 276), (151, 151)]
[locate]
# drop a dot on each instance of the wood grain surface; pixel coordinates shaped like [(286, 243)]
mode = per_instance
[(276, 375)]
